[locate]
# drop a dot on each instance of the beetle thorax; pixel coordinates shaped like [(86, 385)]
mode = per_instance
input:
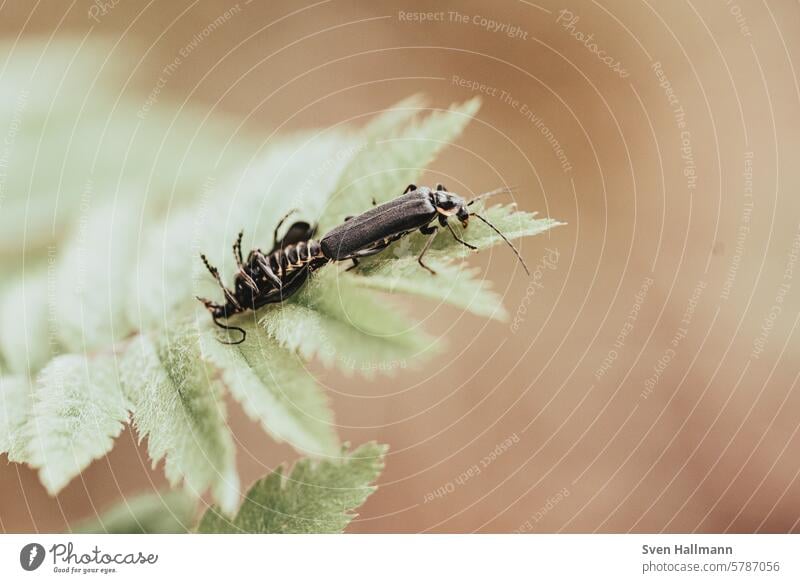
[(448, 204)]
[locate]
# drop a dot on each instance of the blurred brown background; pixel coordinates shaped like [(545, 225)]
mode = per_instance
[(676, 410)]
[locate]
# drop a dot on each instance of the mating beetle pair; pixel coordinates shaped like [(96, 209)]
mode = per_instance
[(275, 276)]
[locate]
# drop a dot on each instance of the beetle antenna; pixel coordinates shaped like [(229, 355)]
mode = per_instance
[(514, 249), (504, 189), (221, 325)]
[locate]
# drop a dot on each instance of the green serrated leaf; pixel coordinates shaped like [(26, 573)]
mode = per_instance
[(77, 411), (154, 513), (27, 335), (166, 270), (392, 118), (274, 388), (101, 152), (457, 285), (298, 172), (514, 224), (397, 268), (393, 160), (92, 277), (314, 498), (342, 324), (73, 143), (178, 407), (112, 234)]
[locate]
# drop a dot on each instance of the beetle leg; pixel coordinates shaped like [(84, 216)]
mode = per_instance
[(280, 224), (237, 255), (211, 306), (432, 232), (248, 280), (229, 328), (410, 188), (457, 238), (355, 263), (264, 265), (237, 250), (374, 250), (290, 287), (229, 295), (219, 311)]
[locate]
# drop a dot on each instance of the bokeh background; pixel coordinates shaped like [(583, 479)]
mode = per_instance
[(648, 379)]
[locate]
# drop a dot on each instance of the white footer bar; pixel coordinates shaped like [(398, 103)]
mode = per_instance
[(355, 558)]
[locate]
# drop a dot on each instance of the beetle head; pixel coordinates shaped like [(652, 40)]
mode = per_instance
[(448, 204)]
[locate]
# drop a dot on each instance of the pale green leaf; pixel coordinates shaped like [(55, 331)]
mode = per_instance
[(178, 407), (166, 271), (98, 156), (341, 324), (28, 337), (72, 142), (274, 388), (316, 497), (77, 411), (298, 171), (392, 118), (514, 224), (93, 277), (155, 513), (397, 268), (391, 161), (107, 202), (457, 284)]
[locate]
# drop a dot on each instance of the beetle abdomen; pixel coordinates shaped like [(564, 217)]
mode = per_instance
[(294, 257), (401, 215)]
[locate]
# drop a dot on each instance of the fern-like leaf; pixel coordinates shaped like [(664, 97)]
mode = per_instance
[(274, 387), (397, 270), (158, 513), (316, 497), (178, 407), (341, 323), (457, 285), (103, 317), (78, 409), (28, 336), (393, 159), (91, 278)]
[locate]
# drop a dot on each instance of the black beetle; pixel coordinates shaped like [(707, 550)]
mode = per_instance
[(372, 231), (275, 276), (266, 278)]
